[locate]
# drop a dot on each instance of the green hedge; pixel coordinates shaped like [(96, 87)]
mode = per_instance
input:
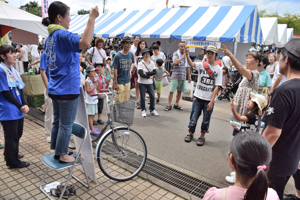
[(36, 101)]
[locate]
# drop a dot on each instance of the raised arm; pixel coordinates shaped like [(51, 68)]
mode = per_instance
[(88, 33), (246, 72), (190, 62)]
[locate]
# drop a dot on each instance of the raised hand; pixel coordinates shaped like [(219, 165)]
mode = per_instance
[(94, 12), (187, 51), (226, 51)]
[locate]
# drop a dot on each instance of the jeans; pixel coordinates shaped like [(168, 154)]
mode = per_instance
[(198, 106), (64, 113), (150, 90), (13, 131)]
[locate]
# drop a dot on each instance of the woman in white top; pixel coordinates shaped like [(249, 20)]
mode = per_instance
[(97, 52), (133, 71), (157, 54), (271, 67), (146, 71)]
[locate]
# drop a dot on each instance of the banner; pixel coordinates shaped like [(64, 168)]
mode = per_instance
[(200, 44), (45, 6)]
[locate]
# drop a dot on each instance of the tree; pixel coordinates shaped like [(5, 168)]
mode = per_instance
[(33, 8), (83, 12), (292, 20)]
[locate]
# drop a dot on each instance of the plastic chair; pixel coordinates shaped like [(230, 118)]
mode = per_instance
[(79, 131)]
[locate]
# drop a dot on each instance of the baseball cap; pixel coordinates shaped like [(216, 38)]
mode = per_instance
[(212, 48), (260, 100), (293, 47), (108, 58), (90, 69)]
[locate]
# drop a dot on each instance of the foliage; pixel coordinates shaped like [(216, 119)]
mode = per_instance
[(33, 8), (83, 12), (292, 20)]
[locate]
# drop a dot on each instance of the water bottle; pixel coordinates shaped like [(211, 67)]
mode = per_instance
[(33, 71), (28, 73)]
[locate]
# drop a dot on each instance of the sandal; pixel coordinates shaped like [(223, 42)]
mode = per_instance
[(70, 188), (177, 107), (168, 108), (57, 193), (138, 105), (188, 138), (200, 141), (57, 156)]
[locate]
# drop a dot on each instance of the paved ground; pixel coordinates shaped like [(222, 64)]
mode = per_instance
[(24, 183)]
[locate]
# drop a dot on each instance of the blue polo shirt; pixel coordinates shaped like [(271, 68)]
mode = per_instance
[(264, 80), (43, 64), (8, 111), (123, 64), (62, 48)]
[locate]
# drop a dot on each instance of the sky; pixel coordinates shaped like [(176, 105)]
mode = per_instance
[(280, 6)]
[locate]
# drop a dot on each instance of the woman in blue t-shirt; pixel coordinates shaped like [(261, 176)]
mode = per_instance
[(13, 105), (62, 48)]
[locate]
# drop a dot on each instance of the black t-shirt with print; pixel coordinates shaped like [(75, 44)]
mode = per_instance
[(284, 113), (251, 125)]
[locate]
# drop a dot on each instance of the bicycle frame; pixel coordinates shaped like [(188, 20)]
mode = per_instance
[(109, 121)]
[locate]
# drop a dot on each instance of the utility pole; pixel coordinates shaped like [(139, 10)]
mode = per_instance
[(104, 2)]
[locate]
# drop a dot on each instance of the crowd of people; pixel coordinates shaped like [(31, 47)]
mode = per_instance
[(267, 92)]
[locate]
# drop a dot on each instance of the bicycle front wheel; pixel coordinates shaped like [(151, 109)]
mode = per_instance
[(122, 154)]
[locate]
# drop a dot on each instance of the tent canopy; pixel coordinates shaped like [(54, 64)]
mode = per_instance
[(20, 19), (269, 30), (225, 23), (282, 33), (290, 33)]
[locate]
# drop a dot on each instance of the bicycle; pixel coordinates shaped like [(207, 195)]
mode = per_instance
[(121, 152)]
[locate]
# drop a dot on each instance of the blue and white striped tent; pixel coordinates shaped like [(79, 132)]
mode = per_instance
[(225, 24)]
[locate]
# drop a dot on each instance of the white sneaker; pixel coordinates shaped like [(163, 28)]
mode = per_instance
[(230, 179), (154, 113), (232, 174), (144, 114)]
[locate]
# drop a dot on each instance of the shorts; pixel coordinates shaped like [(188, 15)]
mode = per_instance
[(159, 86), (178, 85), (100, 105), (91, 109), (123, 94)]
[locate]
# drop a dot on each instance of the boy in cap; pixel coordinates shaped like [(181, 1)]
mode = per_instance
[(122, 65), (209, 78), (282, 121)]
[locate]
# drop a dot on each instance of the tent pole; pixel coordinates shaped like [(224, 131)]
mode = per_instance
[(234, 48), (168, 54)]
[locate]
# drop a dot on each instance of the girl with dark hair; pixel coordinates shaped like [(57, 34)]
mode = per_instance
[(133, 71), (62, 48), (265, 81), (250, 82), (250, 156), (13, 106)]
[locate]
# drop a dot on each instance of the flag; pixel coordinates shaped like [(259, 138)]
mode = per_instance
[(45, 6)]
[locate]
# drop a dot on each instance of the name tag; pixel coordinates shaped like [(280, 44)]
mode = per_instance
[(17, 92)]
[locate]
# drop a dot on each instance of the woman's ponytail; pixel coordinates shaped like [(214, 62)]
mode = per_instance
[(46, 21), (259, 187)]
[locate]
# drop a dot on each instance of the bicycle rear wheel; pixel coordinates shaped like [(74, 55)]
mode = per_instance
[(123, 159)]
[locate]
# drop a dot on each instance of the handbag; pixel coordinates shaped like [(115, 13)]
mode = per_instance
[(154, 85), (165, 80)]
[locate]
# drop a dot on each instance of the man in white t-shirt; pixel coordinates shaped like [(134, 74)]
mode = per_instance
[(23, 55), (278, 78), (97, 52), (209, 80), (136, 40)]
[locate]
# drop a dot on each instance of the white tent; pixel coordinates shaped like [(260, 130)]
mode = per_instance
[(282, 33), (269, 30), (20, 19), (290, 33)]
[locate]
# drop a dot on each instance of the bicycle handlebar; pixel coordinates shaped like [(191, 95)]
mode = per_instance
[(108, 91)]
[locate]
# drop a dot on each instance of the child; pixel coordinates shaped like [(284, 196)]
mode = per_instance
[(109, 74), (250, 156), (100, 70), (91, 87), (249, 122), (160, 70)]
